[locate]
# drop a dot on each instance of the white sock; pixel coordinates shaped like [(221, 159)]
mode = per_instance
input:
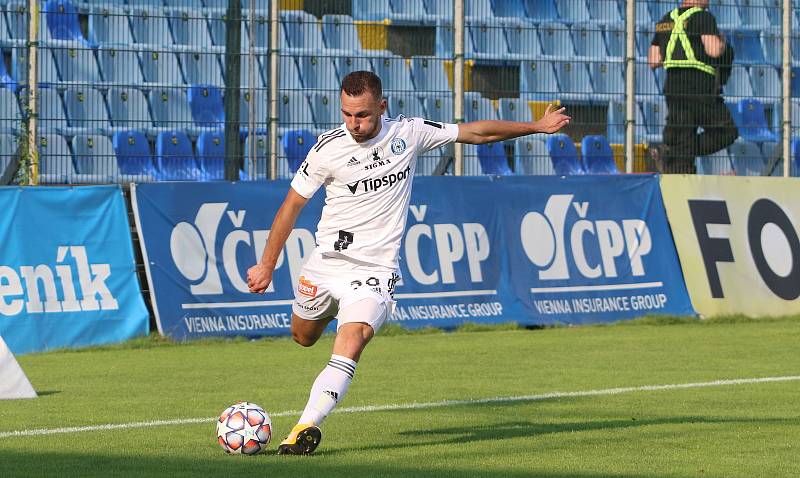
[(329, 387)]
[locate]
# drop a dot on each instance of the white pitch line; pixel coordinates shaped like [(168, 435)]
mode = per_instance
[(413, 406)]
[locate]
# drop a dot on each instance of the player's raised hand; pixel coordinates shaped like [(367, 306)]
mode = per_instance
[(553, 120), (258, 278)]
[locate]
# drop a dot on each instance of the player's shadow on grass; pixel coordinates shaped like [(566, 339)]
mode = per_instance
[(505, 431)]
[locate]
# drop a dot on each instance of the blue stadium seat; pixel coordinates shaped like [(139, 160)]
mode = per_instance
[(726, 13), (772, 43), (62, 21), (756, 14), (6, 80), (394, 73), (55, 159), (296, 145), (161, 68), (532, 158), (52, 117), (188, 3), (256, 168), (261, 36), (655, 118), (217, 28), (478, 108), (615, 41), (747, 45), (738, 85), (377, 10), (508, 9), (643, 18), (795, 82), (747, 158), (150, 27), (17, 17), (605, 11), (478, 9), (608, 77), (406, 104), (471, 165), (134, 157), (410, 11), (339, 33), (615, 123), (147, 3), (439, 108), (754, 126), (573, 78), (796, 155), (514, 109), (717, 164), (8, 149), (485, 39), (302, 32), (772, 151), (290, 77), (541, 10), (538, 80), (659, 8), (523, 41), (190, 28), (492, 158), (109, 26), (211, 155), (347, 65), (76, 63), (442, 10), (10, 117), (597, 155), (766, 83), (429, 74), (645, 81), (5, 36), (86, 110), (318, 73), (204, 68), (573, 11), (129, 110), (120, 66), (445, 38), (294, 110), (643, 39), (327, 110), (588, 39), (171, 110), (175, 158), (205, 102), (556, 40), (261, 112), (95, 160), (564, 155)]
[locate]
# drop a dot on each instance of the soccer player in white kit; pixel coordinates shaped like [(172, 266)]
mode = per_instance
[(367, 165)]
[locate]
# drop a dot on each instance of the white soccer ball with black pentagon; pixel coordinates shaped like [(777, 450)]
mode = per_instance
[(244, 429)]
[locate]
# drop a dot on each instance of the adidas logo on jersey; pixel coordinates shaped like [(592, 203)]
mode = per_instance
[(374, 184), (353, 162)]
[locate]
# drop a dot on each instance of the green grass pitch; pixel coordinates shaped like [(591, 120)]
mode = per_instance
[(743, 430)]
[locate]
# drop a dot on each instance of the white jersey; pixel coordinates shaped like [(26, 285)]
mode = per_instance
[(368, 186)]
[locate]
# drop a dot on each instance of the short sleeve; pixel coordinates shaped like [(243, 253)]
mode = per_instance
[(706, 24), (312, 174), (431, 134)]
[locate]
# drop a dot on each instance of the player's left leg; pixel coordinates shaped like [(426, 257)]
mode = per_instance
[(357, 325)]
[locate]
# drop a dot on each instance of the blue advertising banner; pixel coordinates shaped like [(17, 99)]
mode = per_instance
[(591, 248), (67, 272), (475, 249)]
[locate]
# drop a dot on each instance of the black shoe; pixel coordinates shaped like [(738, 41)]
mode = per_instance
[(302, 440)]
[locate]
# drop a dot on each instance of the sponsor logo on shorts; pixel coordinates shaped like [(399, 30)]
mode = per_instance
[(312, 308), (306, 288)]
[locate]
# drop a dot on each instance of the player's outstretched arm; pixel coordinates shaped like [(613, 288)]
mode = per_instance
[(260, 275), (490, 131)]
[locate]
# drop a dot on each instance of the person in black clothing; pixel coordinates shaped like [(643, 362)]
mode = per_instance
[(689, 46)]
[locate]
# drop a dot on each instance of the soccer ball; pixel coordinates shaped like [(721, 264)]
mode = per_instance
[(244, 429)]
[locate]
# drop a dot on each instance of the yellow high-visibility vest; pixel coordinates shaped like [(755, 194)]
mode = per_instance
[(679, 34)]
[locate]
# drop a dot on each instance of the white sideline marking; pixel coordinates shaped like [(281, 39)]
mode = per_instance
[(413, 406)]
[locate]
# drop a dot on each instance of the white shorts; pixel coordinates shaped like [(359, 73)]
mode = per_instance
[(328, 285)]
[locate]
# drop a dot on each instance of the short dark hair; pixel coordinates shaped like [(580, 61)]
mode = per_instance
[(359, 82)]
